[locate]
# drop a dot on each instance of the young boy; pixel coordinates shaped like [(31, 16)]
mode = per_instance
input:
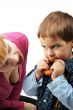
[(54, 92)]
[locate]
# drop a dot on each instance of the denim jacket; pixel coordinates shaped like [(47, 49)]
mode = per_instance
[(46, 100), (60, 88)]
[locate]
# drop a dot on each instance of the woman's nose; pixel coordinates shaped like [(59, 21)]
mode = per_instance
[(13, 59)]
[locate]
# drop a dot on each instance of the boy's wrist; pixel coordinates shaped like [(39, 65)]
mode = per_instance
[(53, 78), (37, 75)]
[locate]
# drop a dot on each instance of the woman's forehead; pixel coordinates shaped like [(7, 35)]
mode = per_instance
[(10, 45)]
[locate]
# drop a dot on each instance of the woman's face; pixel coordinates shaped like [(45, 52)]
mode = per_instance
[(13, 57)]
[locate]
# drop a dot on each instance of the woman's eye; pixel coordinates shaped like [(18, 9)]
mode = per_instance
[(9, 49), (6, 63), (3, 66)]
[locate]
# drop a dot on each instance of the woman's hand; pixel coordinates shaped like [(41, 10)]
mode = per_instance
[(29, 106), (58, 68)]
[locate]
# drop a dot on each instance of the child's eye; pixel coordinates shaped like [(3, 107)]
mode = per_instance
[(43, 46), (56, 46)]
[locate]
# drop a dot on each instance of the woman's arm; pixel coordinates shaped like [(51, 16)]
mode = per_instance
[(4, 104)]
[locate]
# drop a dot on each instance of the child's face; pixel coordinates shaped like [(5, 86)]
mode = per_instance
[(56, 47)]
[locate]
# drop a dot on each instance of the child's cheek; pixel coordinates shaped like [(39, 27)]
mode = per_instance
[(61, 55), (45, 54)]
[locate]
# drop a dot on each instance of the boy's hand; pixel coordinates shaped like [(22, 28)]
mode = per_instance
[(42, 65), (58, 68)]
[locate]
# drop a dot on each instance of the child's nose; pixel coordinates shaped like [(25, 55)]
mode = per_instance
[(50, 52)]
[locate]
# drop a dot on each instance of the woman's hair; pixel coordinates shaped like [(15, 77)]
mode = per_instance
[(57, 24), (3, 50)]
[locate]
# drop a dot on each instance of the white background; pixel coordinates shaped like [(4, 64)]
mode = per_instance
[(25, 16)]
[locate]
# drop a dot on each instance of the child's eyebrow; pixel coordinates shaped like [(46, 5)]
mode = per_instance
[(42, 45)]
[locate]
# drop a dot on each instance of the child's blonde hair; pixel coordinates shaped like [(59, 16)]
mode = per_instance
[(3, 50), (57, 24)]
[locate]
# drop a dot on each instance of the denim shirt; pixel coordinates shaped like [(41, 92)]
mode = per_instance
[(63, 91), (59, 88)]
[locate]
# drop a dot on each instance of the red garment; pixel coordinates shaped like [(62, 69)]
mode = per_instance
[(9, 94)]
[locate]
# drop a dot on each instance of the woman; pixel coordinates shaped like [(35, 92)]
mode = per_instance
[(13, 58)]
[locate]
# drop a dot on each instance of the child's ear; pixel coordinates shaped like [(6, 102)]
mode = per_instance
[(72, 47), (72, 43)]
